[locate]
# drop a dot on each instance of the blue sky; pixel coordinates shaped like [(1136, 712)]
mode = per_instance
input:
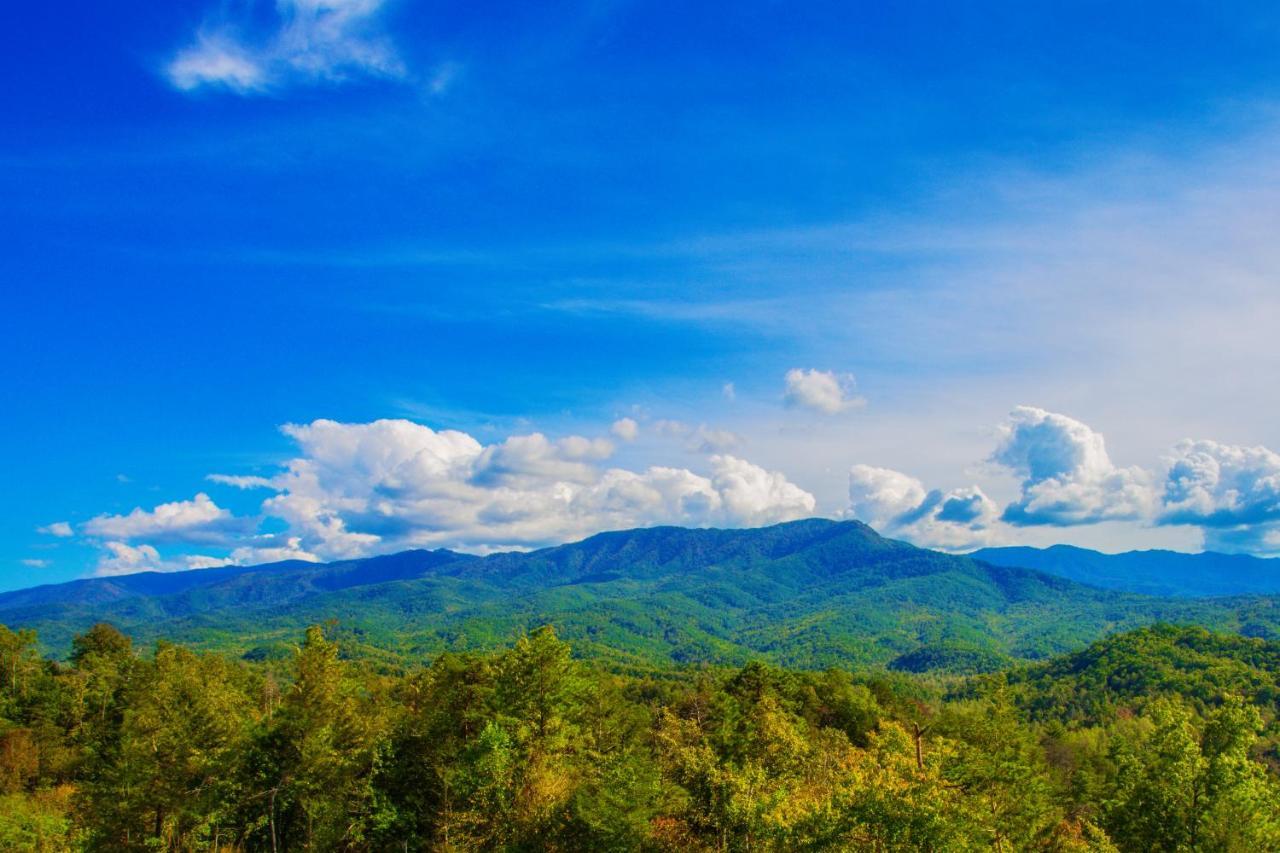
[(976, 273)]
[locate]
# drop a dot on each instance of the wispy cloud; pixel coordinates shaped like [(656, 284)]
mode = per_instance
[(314, 41)]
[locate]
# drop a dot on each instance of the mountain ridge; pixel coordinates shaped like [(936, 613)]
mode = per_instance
[(1149, 572), (811, 593)]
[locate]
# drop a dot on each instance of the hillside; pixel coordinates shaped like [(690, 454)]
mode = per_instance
[(1149, 572), (808, 594), (1131, 669)]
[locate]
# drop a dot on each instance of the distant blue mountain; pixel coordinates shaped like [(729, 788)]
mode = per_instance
[(1168, 573)]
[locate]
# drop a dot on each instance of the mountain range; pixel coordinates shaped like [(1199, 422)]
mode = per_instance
[(808, 594), (1151, 572)]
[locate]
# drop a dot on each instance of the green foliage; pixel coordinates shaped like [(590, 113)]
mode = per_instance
[(37, 823), (530, 748), (1128, 669), (809, 594)]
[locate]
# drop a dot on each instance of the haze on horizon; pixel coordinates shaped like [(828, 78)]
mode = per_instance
[(324, 279)]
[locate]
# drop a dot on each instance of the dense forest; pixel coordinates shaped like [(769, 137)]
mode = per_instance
[(1158, 739)]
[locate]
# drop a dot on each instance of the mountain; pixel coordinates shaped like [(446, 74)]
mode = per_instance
[(809, 594), (1167, 573)]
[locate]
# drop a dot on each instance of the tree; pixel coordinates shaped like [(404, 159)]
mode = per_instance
[(318, 755), (181, 737)]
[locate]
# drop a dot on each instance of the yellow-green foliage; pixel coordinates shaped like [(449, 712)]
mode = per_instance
[(531, 749)]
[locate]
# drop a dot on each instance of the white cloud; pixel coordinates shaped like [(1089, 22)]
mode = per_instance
[(753, 496), (238, 481), (35, 564), (880, 495), (316, 41), (1231, 492), (626, 429), (60, 529), (821, 391), (217, 59), (1220, 485), (120, 558), (272, 550), (196, 520), (391, 484), (201, 561), (898, 505), (1067, 476), (729, 392), (534, 458)]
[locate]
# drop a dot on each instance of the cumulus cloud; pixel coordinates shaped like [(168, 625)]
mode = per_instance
[(534, 458), (1232, 492), (626, 429), (753, 496), (1220, 485), (60, 529), (120, 558), (197, 520), (1067, 476), (898, 505), (271, 549), (389, 484), (315, 41), (821, 390)]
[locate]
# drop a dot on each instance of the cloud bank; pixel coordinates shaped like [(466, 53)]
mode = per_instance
[(394, 483), (1066, 479), (353, 489), (359, 488)]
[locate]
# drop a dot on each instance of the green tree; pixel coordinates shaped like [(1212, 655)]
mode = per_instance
[(317, 757), (182, 734)]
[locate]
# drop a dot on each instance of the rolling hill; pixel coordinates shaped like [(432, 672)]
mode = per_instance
[(808, 594)]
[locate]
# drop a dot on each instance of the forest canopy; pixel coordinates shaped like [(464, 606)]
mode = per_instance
[(1158, 739)]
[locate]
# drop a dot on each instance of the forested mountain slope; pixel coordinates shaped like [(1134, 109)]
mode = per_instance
[(809, 594)]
